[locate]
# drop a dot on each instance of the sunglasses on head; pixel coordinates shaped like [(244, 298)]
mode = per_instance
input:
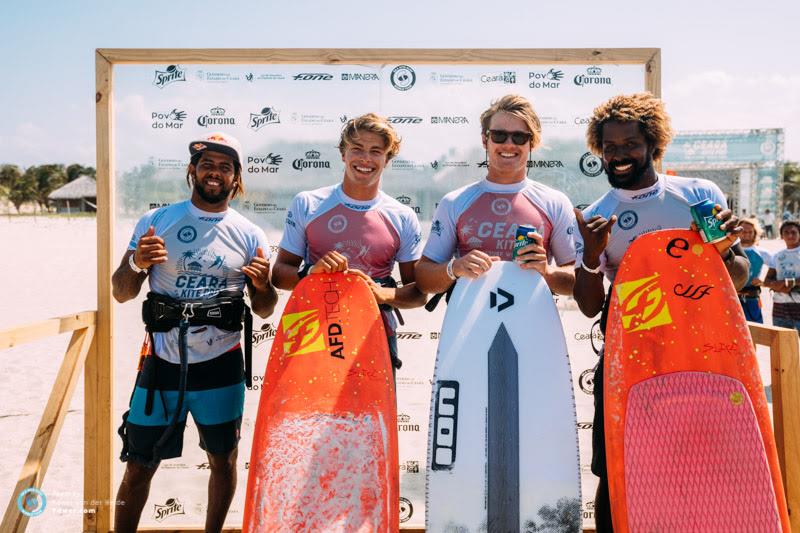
[(517, 137)]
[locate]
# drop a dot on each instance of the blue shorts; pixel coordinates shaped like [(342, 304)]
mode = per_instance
[(214, 396)]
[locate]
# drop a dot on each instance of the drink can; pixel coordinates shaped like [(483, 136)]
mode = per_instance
[(704, 216), (521, 239)]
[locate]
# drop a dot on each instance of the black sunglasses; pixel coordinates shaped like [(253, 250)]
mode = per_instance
[(517, 137)]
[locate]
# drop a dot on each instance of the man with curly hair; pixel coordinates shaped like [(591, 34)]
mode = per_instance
[(355, 227), (630, 133)]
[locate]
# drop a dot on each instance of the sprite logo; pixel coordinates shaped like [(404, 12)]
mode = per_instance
[(643, 304), (302, 333)]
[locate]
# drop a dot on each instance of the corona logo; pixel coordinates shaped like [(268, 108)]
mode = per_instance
[(643, 304), (302, 333)]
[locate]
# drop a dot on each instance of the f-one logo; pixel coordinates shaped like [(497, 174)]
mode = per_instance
[(302, 333), (643, 303), (445, 426)]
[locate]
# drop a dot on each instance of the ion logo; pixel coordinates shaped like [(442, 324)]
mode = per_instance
[(445, 425), (403, 77), (643, 304), (302, 333)]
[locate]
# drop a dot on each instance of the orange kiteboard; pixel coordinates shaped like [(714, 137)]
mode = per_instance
[(689, 440), (324, 455)]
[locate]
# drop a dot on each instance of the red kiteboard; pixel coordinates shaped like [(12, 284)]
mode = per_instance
[(324, 454), (689, 440)]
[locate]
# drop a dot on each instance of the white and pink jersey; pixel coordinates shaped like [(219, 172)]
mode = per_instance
[(485, 216), (372, 234)]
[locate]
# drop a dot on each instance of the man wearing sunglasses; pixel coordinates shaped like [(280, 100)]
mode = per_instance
[(476, 224)]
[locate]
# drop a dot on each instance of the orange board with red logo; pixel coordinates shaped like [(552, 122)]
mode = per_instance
[(324, 455), (689, 440)]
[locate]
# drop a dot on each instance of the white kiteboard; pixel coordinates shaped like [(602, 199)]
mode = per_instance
[(503, 445)]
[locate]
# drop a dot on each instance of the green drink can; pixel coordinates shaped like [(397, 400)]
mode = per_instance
[(521, 239), (704, 216)]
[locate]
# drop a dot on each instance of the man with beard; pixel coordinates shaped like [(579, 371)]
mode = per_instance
[(198, 255), (476, 224), (630, 132)]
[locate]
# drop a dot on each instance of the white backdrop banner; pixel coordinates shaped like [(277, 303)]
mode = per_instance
[(288, 118)]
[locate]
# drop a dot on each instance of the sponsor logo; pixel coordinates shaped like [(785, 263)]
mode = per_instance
[(408, 335), (435, 335), (768, 147), (718, 148), (581, 121), (436, 228), (406, 200), (268, 115), (645, 195), (360, 76), (171, 507), (404, 423), (545, 164), (508, 77), (545, 80), (267, 207), (692, 292), (509, 299), (311, 160), (406, 509), (215, 117), (337, 224), (187, 234), (263, 77), (584, 425), (501, 206), (311, 120), (677, 244), (406, 164), (157, 205), (267, 164), (31, 502), (460, 164), (335, 332), (410, 467), (628, 220), (593, 76), (170, 120), (449, 120), (404, 120), (313, 76), (586, 381), (343, 119), (216, 77), (547, 120), (172, 74), (449, 78), (403, 77), (643, 304), (445, 425), (590, 165), (302, 333)]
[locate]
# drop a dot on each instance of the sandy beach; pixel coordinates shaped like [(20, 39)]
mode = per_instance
[(52, 272)]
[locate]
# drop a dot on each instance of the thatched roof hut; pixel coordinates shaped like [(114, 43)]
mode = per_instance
[(79, 195)]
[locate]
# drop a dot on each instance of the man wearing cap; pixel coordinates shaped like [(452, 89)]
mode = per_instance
[(354, 226), (198, 256)]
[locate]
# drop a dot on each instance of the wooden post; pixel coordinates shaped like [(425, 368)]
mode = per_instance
[(785, 359), (99, 390)]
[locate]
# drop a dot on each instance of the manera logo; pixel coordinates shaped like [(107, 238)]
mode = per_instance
[(268, 115), (360, 76), (215, 117), (170, 508), (172, 74), (449, 120)]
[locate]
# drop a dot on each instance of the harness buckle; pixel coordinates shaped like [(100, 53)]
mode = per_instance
[(188, 310)]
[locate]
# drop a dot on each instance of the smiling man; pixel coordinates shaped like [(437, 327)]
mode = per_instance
[(198, 256), (630, 132), (476, 224), (355, 227)]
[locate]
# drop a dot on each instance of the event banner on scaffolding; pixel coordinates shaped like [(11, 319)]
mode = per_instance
[(288, 119)]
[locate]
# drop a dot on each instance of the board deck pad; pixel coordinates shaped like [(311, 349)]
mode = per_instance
[(324, 455), (503, 452), (689, 439)]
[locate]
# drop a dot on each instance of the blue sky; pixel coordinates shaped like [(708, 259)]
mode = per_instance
[(725, 65)]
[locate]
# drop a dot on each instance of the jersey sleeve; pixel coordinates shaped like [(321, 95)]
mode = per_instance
[(294, 230), (259, 240), (442, 239), (410, 239), (562, 240)]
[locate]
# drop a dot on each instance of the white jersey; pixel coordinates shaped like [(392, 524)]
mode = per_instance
[(664, 205), (787, 265), (206, 253), (485, 215)]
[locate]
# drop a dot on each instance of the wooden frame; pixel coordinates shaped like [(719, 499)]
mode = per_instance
[(98, 483), (82, 343)]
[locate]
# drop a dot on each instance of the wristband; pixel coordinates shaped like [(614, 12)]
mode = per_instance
[(450, 273), (589, 270), (134, 266), (303, 272)]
